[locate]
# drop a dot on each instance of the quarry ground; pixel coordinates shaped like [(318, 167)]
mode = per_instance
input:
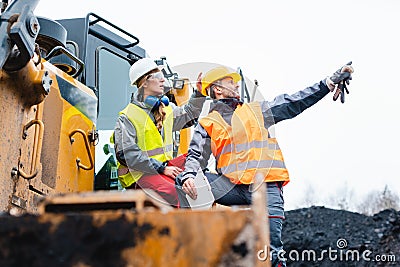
[(319, 236)]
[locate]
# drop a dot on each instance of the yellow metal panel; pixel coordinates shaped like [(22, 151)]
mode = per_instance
[(181, 98), (69, 177)]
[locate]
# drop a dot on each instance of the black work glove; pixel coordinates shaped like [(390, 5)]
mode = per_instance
[(339, 81)]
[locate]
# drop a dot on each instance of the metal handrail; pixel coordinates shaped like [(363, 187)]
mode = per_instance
[(38, 148), (86, 141)]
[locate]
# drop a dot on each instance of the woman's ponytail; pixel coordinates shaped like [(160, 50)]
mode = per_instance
[(159, 116)]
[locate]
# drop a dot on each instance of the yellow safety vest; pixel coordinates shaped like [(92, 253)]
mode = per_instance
[(244, 148), (149, 140)]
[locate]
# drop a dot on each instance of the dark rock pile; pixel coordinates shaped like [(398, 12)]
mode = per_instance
[(320, 236)]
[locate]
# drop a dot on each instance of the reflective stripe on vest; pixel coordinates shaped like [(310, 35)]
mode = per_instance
[(149, 140), (243, 148)]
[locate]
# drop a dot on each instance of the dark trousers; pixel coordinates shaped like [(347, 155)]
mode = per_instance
[(229, 194)]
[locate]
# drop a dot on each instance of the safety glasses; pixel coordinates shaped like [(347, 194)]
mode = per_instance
[(157, 75)]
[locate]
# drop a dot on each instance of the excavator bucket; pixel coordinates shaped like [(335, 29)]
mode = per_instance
[(130, 228)]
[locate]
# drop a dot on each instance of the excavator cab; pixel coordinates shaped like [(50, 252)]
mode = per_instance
[(107, 57)]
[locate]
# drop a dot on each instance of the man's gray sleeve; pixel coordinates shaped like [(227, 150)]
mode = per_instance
[(127, 151), (286, 106), (198, 154), (185, 116)]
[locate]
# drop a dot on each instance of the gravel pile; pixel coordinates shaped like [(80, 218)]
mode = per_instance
[(320, 236)]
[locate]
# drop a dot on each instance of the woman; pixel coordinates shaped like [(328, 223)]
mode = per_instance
[(143, 133)]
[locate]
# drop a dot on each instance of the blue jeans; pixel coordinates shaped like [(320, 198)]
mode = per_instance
[(229, 194)]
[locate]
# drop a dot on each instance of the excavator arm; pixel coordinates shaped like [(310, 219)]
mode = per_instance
[(19, 28)]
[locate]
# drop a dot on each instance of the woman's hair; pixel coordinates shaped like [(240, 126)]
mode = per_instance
[(159, 116), (159, 113)]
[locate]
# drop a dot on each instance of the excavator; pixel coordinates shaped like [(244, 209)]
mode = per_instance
[(60, 201)]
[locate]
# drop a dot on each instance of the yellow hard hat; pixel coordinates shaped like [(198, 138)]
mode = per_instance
[(216, 74)]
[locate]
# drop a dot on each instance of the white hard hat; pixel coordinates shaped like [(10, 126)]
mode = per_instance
[(140, 68)]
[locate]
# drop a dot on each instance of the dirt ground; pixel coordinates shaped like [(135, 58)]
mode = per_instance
[(320, 236)]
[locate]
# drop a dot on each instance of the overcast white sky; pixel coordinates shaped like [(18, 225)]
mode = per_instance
[(286, 46)]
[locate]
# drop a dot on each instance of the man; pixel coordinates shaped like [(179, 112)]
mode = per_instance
[(236, 133)]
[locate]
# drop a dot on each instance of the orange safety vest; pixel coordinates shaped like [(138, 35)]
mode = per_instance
[(244, 148)]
